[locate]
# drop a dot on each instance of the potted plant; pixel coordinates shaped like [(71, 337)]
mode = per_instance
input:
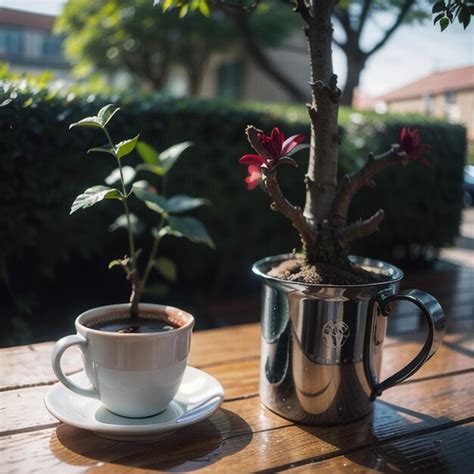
[(135, 354), (324, 311)]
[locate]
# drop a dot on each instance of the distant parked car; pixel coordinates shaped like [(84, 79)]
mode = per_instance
[(468, 185)]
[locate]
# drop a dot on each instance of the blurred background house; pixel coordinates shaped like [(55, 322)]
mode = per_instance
[(28, 45), (445, 94)]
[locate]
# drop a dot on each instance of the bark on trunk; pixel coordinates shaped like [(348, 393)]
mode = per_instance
[(321, 178)]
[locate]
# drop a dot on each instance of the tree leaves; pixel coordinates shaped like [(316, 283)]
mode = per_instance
[(126, 147), (128, 174), (100, 120), (94, 195), (168, 157), (153, 201), (448, 12), (91, 122), (190, 228), (167, 268), (106, 113), (160, 163), (183, 203)]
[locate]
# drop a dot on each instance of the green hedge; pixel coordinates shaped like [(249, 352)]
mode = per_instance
[(47, 254)]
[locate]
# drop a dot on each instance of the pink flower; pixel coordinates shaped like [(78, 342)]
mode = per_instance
[(254, 178), (410, 144), (276, 147)]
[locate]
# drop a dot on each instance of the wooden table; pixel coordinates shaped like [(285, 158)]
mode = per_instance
[(425, 424)]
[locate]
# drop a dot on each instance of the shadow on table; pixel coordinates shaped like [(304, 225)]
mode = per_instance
[(395, 439), (191, 448)]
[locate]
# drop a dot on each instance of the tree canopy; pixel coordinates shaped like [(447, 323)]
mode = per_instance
[(135, 36)]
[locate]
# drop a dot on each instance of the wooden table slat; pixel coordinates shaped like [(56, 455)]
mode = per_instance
[(23, 408), (448, 450), (244, 436)]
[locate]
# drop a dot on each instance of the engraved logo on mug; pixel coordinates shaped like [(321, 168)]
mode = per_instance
[(335, 333)]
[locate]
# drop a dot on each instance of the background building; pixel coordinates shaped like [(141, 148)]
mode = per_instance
[(27, 43), (445, 94)]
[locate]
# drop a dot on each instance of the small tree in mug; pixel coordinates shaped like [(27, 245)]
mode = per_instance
[(169, 210), (325, 233)]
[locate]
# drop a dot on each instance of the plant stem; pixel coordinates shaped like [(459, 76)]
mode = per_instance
[(151, 258), (124, 201), (134, 276)]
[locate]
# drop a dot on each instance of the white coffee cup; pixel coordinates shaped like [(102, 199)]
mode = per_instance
[(133, 375)]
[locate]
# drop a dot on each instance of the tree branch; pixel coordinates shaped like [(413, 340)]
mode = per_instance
[(350, 185), (401, 16), (280, 203), (361, 229), (291, 212), (302, 9), (363, 16)]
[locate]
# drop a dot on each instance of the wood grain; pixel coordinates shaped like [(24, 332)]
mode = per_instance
[(23, 408), (449, 450), (244, 437)]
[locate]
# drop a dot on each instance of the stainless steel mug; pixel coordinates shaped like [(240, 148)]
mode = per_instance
[(322, 344)]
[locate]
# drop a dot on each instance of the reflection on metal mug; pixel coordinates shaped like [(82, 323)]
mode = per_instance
[(322, 344)]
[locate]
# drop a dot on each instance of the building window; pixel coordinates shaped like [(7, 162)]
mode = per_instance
[(11, 41), (51, 47), (428, 104), (230, 75), (450, 97)]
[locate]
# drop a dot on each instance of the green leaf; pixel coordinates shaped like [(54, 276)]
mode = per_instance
[(94, 195), (128, 174), (147, 153), (204, 8), (167, 268), (106, 113), (166, 5), (115, 263), (190, 228), (464, 16), (153, 201), (91, 122), (110, 151), (438, 7), (121, 223), (183, 203), (443, 23), (167, 230), (126, 147), (183, 11), (155, 169), (168, 157)]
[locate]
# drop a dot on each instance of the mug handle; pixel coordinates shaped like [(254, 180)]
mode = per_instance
[(58, 351), (435, 319)]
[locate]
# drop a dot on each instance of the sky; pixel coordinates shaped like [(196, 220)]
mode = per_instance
[(412, 52)]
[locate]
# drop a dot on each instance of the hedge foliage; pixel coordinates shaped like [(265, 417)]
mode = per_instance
[(43, 167)]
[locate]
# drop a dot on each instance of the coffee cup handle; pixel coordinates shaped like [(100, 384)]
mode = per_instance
[(58, 352), (436, 322)]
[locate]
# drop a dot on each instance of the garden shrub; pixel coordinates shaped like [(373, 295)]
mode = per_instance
[(45, 253)]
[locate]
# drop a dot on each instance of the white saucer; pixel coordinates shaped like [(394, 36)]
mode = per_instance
[(198, 397)]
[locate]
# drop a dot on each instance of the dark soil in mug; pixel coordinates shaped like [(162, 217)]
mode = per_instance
[(298, 270)]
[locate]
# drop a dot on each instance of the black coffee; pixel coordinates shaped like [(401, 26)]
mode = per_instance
[(136, 326)]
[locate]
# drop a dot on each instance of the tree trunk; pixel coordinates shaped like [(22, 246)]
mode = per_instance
[(355, 65), (321, 178)]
